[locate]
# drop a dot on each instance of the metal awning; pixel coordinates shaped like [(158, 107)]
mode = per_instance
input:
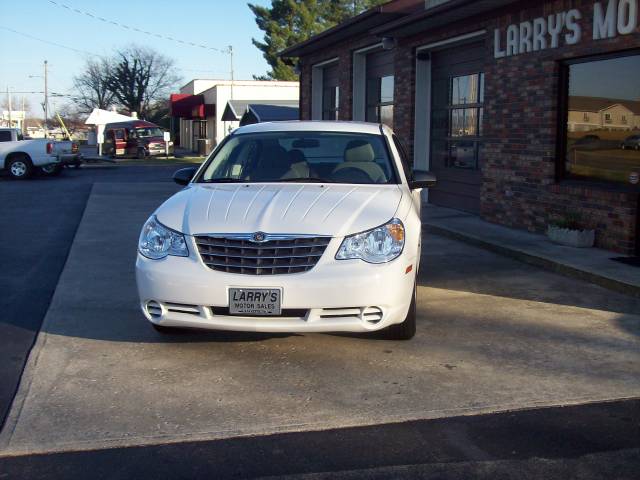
[(188, 106), (269, 113), (235, 109)]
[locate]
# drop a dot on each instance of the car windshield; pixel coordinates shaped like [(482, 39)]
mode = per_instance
[(149, 132), (305, 157)]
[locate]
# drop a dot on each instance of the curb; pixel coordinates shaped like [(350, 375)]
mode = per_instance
[(562, 269)]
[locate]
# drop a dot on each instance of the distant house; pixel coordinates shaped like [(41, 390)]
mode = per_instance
[(205, 111), (597, 113)]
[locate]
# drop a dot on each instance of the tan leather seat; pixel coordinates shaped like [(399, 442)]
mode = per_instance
[(298, 165), (359, 154)]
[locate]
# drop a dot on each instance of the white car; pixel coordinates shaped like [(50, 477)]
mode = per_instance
[(289, 227)]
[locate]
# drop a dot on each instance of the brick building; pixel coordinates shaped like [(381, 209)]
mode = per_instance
[(526, 110)]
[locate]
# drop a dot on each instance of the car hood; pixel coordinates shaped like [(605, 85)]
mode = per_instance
[(322, 209)]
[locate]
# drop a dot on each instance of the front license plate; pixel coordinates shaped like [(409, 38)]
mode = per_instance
[(254, 301)]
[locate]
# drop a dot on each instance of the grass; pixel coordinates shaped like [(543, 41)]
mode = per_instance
[(619, 163)]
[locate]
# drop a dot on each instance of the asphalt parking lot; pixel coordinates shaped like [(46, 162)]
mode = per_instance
[(494, 335)]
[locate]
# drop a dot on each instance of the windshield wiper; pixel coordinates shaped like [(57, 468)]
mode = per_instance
[(305, 179), (224, 180)]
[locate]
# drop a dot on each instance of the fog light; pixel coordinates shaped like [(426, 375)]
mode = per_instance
[(154, 309)]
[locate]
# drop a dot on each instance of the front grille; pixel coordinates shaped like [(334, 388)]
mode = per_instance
[(279, 254)]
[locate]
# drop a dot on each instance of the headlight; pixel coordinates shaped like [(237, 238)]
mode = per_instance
[(378, 245), (157, 241)]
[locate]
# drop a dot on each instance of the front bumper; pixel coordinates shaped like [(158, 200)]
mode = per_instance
[(334, 296)]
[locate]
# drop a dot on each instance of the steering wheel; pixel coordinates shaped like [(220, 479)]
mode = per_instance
[(352, 175)]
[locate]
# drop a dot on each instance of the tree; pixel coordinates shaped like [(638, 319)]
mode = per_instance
[(288, 22), (91, 86), (140, 77)]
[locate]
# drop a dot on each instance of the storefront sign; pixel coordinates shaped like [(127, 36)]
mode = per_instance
[(610, 19)]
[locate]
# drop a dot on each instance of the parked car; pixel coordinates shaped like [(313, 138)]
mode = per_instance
[(134, 139), (21, 157), (289, 227), (631, 142)]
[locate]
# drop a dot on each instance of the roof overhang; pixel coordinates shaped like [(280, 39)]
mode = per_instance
[(360, 24), (400, 18), (439, 16)]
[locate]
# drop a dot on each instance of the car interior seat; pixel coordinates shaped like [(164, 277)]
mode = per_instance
[(298, 165), (359, 159)]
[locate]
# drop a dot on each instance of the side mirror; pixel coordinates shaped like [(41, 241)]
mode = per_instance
[(184, 175), (422, 179)]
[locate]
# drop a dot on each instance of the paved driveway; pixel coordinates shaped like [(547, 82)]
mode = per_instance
[(493, 335)]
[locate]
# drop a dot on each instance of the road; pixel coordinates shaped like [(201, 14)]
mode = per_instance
[(501, 347), (39, 219)]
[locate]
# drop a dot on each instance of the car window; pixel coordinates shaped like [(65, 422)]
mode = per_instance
[(335, 157), (149, 132), (5, 136)]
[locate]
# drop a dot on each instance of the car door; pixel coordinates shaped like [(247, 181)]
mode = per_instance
[(120, 141)]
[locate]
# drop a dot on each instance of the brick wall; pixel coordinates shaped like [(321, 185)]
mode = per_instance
[(520, 187)]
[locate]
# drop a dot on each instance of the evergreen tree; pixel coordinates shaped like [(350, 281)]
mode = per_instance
[(288, 22)]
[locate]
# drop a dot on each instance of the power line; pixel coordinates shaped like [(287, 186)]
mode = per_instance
[(135, 29), (84, 52)]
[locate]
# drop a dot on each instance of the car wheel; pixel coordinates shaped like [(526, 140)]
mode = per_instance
[(165, 330), (51, 170), (20, 167), (407, 329), (142, 154)]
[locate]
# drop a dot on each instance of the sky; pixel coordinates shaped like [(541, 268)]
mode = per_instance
[(613, 78), (213, 23)]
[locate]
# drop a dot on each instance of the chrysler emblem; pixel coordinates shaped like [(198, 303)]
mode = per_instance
[(259, 237)]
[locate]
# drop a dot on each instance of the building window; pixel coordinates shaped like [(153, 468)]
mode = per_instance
[(602, 149), (380, 100), (586, 117), (330, 102), (457, 125)]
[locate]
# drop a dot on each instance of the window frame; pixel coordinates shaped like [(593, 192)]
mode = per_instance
[(561, 173), (478, 139), (378, 104)]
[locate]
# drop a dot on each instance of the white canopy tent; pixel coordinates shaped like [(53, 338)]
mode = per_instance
[(100, 118)]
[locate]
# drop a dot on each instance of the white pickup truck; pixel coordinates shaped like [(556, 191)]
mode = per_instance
[(22, 157)]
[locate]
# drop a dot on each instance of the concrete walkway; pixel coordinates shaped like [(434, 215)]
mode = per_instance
[(593, 265), (493, 335)]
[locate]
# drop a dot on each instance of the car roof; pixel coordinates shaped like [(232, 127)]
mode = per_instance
[(311, 126)]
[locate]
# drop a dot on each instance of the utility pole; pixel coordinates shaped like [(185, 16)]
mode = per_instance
[(9, 102), (46, 100), (231, 60), (24, 117)]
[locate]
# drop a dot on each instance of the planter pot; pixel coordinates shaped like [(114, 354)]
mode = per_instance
[(571, 238)]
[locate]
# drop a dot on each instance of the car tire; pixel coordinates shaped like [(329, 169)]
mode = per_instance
[(164, 330), (51, 170), (20, 167), (142, 154), (407, 329)]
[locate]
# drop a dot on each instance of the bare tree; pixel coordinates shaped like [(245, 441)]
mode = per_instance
[(91, 87), (139, 78)]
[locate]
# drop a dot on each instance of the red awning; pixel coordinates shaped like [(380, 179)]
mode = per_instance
[(184, 105)]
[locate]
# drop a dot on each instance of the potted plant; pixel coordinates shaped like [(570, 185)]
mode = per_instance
[(568, 231)]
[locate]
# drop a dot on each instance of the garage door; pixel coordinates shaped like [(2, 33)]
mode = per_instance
[(457, 93)]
